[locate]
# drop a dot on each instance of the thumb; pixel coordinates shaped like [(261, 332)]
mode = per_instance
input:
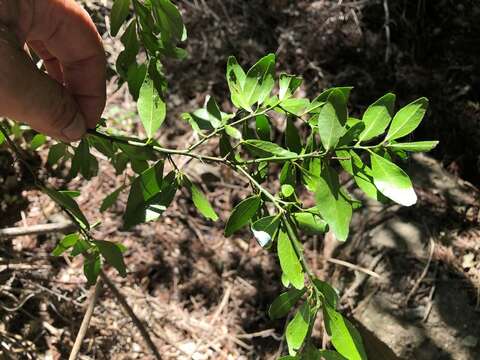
[(29, 95)]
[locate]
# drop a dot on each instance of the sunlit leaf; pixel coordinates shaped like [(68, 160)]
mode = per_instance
[(407, 119), (241, 214), (297, 329), (289, 261)]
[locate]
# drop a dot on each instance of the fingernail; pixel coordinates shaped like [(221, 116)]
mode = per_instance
[(76, 129)]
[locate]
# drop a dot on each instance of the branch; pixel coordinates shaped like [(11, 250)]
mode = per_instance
[(86, 320), (40, 229)]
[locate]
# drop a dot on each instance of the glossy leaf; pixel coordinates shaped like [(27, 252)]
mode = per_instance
[(407, 119), (287, 85), (151, 107), (392, 181), (91, 268), (262, 127), (282, 305), (112, 255), (332, 203), (259, 80), (289, 261), (417, 146), (68, 204), (265, 229), (297, 329), (377, 117), (202, 204), (56, 152), (236, 80), (321, 99), (37, 141), (66, 243), (111, 199), (143, 188), (310, 223), (267, 148), (241, 214), (345, 338), (332, 119), (292, 137), (119, 13)]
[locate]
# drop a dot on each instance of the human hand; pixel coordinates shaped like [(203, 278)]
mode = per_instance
[(71, 98)]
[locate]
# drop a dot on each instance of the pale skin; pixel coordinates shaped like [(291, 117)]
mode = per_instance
[(70, 97)]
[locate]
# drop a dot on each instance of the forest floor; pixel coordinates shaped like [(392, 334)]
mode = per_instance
[(203, 296)]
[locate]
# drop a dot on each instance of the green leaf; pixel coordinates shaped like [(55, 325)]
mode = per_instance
[(259, 81), (233, 132), (321, 99), (292, 137), (362, 174), (297, 329), (333, 205), (68, 204), (80, 247), (328, 292), (143, 188), (118, 15), (241, 214), (377, 117), (310, 223), (151, 107), (352, 134), (265, 229), (66, 243), (135, 76), (91, 268), (417, 146), (284, 302), (331, 355), (201, 203), (289, 261), (267, 148), (288, 357), (170, 19), (37, 141), (236, 79), (56, 152), (407, 119), (87, 163), (111, 199), (295, 106), (287, 190), (287, 85), (288, 174), (128, 56), (392, 181), (215, 115), (2, 138), (345, 338), (332, 119), (262, 127), (112, 255)]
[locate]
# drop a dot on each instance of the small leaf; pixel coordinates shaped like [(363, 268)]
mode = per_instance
[(345, 338), (321, 99), (310, 223), (236, 79), (328, 292), (392, 181), (288, 174), (295, 106), (377, 117), (37, 141), (119, 13), (91, 268), (66, 243), (111, 199), (56, 152), (418, 146), (333, 205), (297, 329), (265, 229), (67, 203), (262, 127), (407, 119), (215, 115), (266, 148), (289, 261), (292, 137), (241, 214), (287, 85), (151, 107), (259, 81), (284, 302), (331, 355), (80, 247), (287, 190), (170, 19), (202, 204), (233, 132), (113, 255), (332, 120)]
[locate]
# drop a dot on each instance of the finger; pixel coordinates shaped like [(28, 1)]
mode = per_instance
[(70, 36), (29, 95), (52, 64)]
